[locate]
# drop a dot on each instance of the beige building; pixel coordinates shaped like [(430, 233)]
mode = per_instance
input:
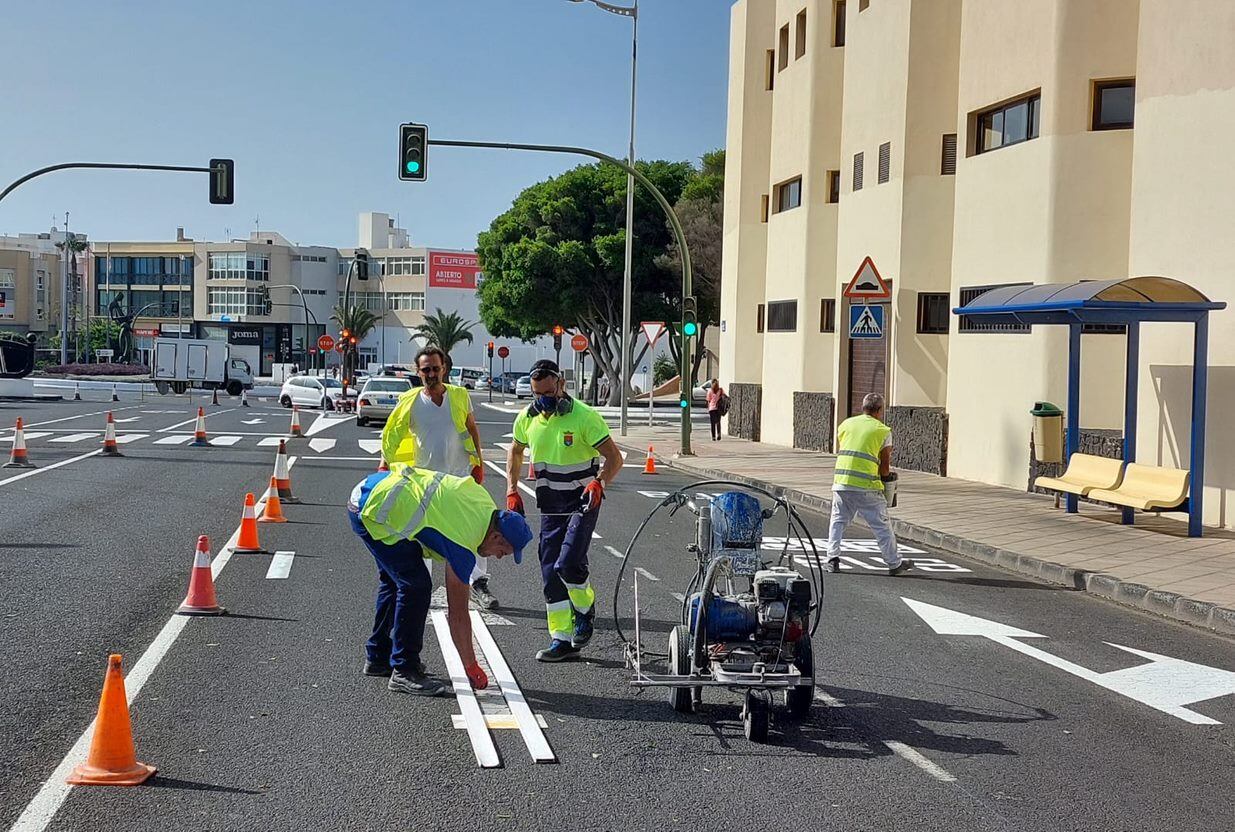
[(961, 145), (29, 290)]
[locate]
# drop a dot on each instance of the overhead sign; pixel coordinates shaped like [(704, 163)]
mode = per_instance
[(867, 283), (146, 332), (325, 343), (453, 269), (652, 330), (244, 336), (866, 322), (503, 352), (579, 342)]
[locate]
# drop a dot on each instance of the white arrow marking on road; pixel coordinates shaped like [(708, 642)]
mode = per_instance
[(252, 421), (280, 565), (1165, 684), (321, 445), (370, 446), (323, 422)]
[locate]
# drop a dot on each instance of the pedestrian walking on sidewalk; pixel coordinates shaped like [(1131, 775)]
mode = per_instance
[(433, 427), (716, 394), (863, 459), (567, 440)]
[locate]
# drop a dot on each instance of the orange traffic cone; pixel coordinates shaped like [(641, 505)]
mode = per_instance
[(18, 458), (294, 431), (382, 466), (112, 760), (273, 510), (649, 467), (77, 392), (110, 448), (199, 432), (114, 397), (201, 599), (214, 397), (247, 542), (531, 469), (283, 474)]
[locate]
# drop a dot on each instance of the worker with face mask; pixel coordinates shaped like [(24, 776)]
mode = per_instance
[(567, 440)]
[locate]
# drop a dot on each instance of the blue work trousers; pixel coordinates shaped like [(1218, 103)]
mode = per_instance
[(403, 593)]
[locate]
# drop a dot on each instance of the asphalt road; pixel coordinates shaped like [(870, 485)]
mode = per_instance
[(261, 720)]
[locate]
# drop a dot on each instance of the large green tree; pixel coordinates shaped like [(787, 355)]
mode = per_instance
[(557, 257)]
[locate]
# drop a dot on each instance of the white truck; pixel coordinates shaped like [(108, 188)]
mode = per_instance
[(183, 363)]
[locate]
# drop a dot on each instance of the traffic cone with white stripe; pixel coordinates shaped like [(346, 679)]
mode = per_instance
[(649, 467), (110, 448), (112, 760), (247, 542), (77, 392), (201, 599), (272, 512), (199, 432), (114, 396), (19, 458), (283, 474), (294, 431), (244, 397)]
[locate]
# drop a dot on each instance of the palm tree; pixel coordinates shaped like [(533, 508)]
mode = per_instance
[(359, 322), (445, 330)]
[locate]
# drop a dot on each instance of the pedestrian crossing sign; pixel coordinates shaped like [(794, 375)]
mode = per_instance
[(866, 322)]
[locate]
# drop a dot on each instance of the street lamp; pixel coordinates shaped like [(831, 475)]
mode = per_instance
[(633, 13)]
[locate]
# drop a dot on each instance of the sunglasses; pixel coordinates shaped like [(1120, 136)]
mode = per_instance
[(540, 375)]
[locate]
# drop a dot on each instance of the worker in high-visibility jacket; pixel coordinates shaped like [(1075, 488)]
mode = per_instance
[(863, 459), (433, 427), (402, 515), (567, 440)]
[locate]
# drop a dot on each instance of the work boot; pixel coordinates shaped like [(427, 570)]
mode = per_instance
[(904, 566), (834, 565), (376, 668), (583, 628), (482, 596), (558, 650), (409, 680)]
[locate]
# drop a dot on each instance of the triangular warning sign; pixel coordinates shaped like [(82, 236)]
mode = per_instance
[(867, 283)]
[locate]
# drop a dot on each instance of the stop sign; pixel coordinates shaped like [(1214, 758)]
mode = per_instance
[(325, 343), (503, 352), (579, 342)]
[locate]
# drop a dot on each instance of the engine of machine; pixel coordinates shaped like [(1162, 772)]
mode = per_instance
[(761, 626)]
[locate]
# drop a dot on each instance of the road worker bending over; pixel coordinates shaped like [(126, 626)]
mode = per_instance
[(402, 515)]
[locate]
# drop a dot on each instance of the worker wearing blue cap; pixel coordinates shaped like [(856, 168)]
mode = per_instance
[(402, 516)]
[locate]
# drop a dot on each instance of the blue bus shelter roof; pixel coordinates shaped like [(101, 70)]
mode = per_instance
[(1122, 301)]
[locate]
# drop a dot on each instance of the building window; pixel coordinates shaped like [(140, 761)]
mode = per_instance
[(947, 162), (783, 316), (769, 80), (885, 161), (827, 315), (1007, 124), (968, 324), (789, 194), (1113, 104), (784, 48), (759, 318), (834, 186), (933, 313), (763, 208), (234, 300), (838, 23), (799, 46), (857, 171)]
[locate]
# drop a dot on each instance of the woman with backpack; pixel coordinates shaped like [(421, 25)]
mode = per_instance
[(718, 405)]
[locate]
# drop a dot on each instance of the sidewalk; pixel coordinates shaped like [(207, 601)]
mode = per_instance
[(1153, 565)]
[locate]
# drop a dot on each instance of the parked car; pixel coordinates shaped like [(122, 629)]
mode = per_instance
[(378, 398), (466, 377), (523, 387), (484, 382), (506, 381), (312, 391)]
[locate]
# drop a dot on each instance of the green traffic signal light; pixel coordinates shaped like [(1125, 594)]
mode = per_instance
[(413, 166), (690, 329), (683, 403)]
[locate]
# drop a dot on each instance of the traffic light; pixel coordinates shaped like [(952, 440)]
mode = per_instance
[(222, 181), (362, 264), (557, 336), (345, 334), (267, 306), (489, 347), (690, 317), (299, 345), (413, 152)]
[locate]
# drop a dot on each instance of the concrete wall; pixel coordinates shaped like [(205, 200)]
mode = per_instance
[(919, 438), (814, 415)]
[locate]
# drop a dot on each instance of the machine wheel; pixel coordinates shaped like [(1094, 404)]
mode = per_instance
[(679, 665), (178, 387), (799, 699), (285, 401), (234, 388), (756, 715)]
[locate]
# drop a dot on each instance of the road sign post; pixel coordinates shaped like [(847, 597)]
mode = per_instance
[(652, 330)]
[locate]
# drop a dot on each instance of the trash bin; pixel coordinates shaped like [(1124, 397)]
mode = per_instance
[(1047, 432)]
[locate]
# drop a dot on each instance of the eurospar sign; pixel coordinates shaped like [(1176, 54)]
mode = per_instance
[(453, 269)]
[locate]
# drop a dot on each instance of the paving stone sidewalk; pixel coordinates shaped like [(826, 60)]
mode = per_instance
[(1153, 565)]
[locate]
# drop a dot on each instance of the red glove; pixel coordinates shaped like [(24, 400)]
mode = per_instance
[(514, 502), (592, 495), (478, 474), (477, 676)]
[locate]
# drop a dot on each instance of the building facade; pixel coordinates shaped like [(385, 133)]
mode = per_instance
[(961, 145)]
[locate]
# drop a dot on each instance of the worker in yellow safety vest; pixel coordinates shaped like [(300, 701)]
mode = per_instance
[(863, 460)]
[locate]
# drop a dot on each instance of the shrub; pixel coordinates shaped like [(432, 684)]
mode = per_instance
[(98, 369)]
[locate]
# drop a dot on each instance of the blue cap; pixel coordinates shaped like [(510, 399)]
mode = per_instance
[(514, 528)]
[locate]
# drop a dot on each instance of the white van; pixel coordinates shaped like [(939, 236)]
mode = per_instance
[(466, 377)]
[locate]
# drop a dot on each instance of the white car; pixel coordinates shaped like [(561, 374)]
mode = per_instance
[(378, 397), (523, 387), (311, 391)]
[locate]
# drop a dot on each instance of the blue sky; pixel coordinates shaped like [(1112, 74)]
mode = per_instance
[(307, 97)]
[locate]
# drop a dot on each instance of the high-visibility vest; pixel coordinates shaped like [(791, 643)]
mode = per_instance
[(859, 440), (399, 435), (409, 499)]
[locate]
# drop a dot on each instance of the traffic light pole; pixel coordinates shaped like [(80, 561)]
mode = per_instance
[(106, 165), (684, 386)]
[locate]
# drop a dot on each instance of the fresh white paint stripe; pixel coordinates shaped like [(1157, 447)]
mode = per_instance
[(29, 434), (477, 728), (614, 552), (126, 438), (646, 573), (270, 441), (322, 445), (370, 446), (51, 467), (280, 565), (324, 422), (534, 738), (524, 487), (72, 437), (828, 699), (595, 536), (174, 440), (679, 597), (71, 418), (938, 772), (367, 459), (193, 421), (226, 441), (126, 421)]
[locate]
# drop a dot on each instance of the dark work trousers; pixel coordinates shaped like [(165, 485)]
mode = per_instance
[(714, 418), (564, 542), (403, 591)]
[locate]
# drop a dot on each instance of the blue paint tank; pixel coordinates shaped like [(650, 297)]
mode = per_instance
[(728, 620)]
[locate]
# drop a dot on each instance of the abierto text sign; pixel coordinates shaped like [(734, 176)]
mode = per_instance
[(453, 269)]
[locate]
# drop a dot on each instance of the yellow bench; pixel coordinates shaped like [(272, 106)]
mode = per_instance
[(1146, 487), (1085, 474)]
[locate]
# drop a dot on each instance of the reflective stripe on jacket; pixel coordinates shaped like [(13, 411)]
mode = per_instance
[(859, 441), (399, 435)]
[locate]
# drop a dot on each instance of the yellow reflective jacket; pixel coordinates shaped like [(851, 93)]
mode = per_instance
[(857, 455), (399, 435)]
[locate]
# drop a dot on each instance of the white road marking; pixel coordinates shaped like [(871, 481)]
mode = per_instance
[(533, 737), (193, 421), (280, 565), (226, 441), (646, 573), (477, 729), (51, 467), (325, 421), (322, 445), (679, 597), (370, 446), (614, 552), (71, 418), (271, 441), (32, 434), (901, 750), (595, 536), (175, 440), (126, 421), (524, 487), (496, 722), (73, 437), (126, 438), (438, 601), (252, 421)]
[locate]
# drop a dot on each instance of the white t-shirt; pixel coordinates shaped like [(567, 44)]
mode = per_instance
[(438, 445), (887, 443)]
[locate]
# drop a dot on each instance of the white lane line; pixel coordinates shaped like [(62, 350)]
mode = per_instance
[(171, 428), (72, 437), (901, 750), (614, 552), (280, 565), (595, 536), (51, 467), (126, 421), (370, 446), (34, 434), (271, 441), (225, 441), (78, 416), (367, 459), (126, 438), (322, 445), (534, 738), (679, 597), (477, 728), (646, 573), (174, 440), (524, 487)]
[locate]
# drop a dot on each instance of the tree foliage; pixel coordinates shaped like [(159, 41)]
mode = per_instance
[(445, 330)]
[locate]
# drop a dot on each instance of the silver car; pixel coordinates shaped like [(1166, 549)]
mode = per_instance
[(523, 387), (378, 398)]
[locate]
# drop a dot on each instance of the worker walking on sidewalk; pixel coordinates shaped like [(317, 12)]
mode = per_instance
[(434, 428), (567, 440), (402, 516), (863, 459)]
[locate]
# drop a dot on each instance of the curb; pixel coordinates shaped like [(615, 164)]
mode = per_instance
[(1171, 605)]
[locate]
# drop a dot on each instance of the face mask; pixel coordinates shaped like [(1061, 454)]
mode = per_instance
[(546, 404)]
